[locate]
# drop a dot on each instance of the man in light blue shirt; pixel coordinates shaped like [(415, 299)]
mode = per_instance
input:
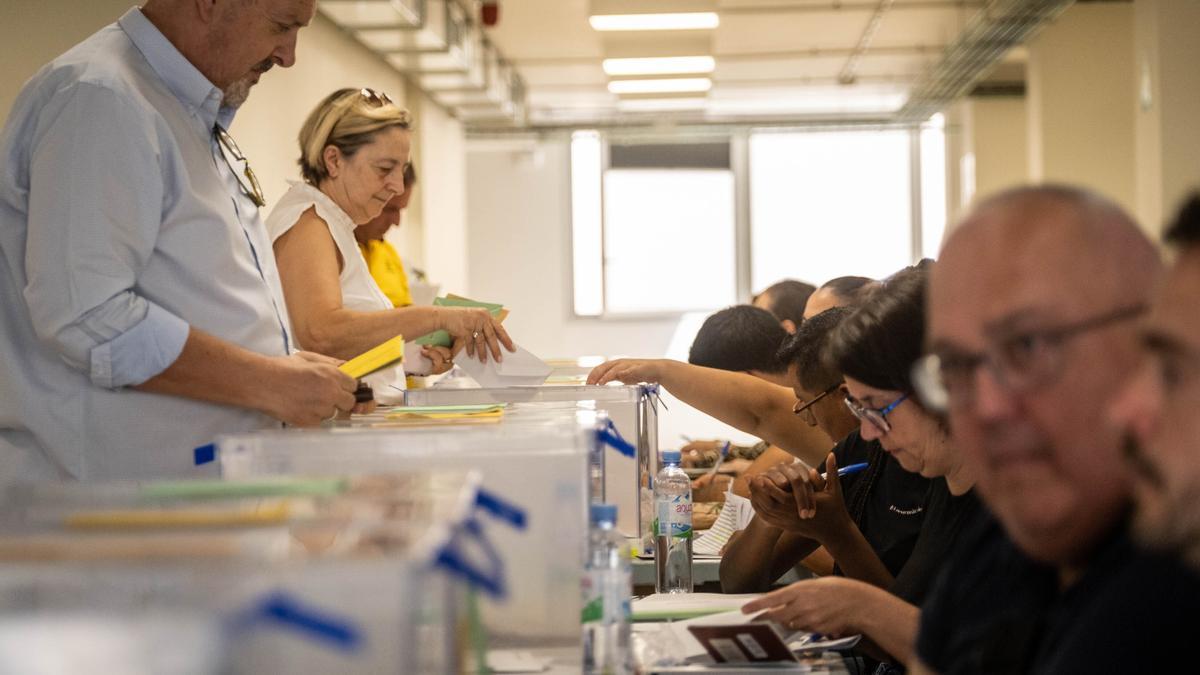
[(140, 308)]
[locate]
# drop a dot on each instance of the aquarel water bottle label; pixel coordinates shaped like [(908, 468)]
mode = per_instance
[(674, 518)]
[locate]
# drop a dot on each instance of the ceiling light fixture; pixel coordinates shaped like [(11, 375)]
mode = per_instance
[(664, 85), (662, 65), (677, 21), (661, 104)]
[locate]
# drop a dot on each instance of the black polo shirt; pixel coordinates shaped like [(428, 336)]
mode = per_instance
[(945, 517), (994, 610), (886, 502)]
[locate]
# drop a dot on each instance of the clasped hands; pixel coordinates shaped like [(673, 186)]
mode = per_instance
[(795, 498)]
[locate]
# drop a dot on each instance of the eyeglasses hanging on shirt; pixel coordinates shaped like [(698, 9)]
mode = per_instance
[(250, 186)]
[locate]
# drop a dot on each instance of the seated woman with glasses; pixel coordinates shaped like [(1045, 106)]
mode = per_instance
[(876, 349), (354, 147), (871, 531)]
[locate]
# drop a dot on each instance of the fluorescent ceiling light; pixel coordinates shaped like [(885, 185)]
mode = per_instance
[(662, 65), (665, 85), (818, 101), (661, 104), (680, 21), (374, 13)]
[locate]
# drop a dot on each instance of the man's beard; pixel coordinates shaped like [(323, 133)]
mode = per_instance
[(1176, 530), (237, 92)]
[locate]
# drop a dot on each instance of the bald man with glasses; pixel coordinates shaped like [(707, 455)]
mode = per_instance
[(1034, 308)]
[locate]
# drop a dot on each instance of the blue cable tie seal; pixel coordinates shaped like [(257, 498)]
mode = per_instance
[(654, 393), (501, 508), (282, 610), (205, 454), (452, 559), (609, 436)]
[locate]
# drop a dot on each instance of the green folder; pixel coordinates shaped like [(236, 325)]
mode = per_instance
[(441, 338)]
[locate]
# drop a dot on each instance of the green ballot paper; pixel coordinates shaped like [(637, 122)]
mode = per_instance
[(441, 338)]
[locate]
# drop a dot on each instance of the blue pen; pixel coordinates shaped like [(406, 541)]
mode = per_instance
[(851, 468)]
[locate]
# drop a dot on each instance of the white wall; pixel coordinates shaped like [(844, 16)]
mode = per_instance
[(440, 213), (1081, 100), (1167, 107), (987, 149)]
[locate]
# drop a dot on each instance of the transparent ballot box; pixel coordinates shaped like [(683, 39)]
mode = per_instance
[(633, 411), (350, 575), (540, 465)]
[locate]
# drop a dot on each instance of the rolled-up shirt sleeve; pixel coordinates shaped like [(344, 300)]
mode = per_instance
[(95, 210)]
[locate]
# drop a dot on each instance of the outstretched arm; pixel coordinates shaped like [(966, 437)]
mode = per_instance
[(743, 401)]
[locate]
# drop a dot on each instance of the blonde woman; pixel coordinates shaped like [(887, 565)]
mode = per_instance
[(354, 147)]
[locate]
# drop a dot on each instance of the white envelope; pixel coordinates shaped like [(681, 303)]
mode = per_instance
[(519, 368), (422, 293)]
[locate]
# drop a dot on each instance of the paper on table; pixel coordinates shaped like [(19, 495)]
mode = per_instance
[(447, 412), (687, 605), (519, 368), (735, 515), (448, 409), (517, 661), (691, 649)]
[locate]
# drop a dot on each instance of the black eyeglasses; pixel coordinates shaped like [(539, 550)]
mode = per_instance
[(1019, 362), (805, 409), (253, 191)]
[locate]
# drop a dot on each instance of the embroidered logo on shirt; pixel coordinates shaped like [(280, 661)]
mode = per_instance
[(905, 512)]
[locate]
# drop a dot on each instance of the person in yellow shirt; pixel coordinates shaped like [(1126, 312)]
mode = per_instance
[(382, 258)]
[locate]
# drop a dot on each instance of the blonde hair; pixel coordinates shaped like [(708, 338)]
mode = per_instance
[(347, 119)]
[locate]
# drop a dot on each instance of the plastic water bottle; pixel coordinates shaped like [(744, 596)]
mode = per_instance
[(672, 527), (607, 586)]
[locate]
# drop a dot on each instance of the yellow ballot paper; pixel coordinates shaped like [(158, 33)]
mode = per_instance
[(464, 414), (378, 358)]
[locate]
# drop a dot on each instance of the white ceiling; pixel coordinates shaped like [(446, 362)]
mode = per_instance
[(774, 57)]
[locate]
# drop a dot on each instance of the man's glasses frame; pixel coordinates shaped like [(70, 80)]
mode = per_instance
[(804, 409), (251, 187), (1019, 362)]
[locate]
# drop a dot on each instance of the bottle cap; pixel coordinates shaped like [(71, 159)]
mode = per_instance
[(602, 513), (671, 456)]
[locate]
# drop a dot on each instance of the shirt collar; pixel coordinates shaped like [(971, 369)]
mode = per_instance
[(185, 81)]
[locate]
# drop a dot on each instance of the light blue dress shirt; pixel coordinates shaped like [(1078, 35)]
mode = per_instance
[(121, 225)]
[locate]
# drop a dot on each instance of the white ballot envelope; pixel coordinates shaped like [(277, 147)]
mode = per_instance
[(519, 368)]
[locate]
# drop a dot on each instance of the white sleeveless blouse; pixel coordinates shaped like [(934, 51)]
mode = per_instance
[(359, 290)]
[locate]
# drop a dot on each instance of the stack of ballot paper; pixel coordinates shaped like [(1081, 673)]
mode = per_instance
[(455, 414), (670, 606), (440, 337)]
